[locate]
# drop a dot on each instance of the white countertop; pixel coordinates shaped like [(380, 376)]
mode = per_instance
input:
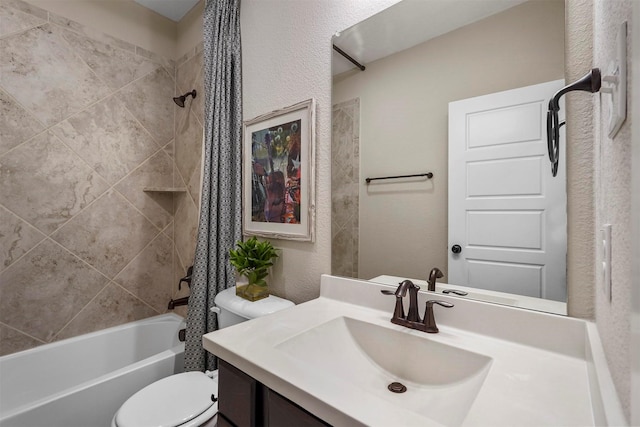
[(504, 298), (540, 372)]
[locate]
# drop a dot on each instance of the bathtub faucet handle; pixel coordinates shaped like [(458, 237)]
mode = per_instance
[(186, 279)]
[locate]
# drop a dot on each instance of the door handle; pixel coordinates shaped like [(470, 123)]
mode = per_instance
[(456, 249)]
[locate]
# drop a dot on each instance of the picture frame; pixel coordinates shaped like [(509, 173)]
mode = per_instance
[(278, 174)]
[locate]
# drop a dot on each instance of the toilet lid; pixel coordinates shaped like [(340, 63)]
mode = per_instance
[(170, 402)]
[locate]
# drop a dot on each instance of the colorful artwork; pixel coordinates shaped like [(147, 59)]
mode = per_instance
[(276, 172), (278, 168)]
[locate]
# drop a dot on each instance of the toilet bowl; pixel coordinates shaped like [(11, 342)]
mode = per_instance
[(189, 399)]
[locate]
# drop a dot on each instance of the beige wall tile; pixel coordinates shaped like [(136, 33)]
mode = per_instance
[(156, 172), (27, 8), (108, 138), (189, 150), (344, 188), (16, 124), (187, 73), (16, 238), (59, 86), (116, 67), (46, 184), (150, 100), (45, 289), (108, 234), (13, 20), (186, 229), (109, 102), (149, 276), (12, 340), (112, 307)]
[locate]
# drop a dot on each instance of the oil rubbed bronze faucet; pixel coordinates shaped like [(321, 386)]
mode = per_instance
[(433, 275), (412, 319)]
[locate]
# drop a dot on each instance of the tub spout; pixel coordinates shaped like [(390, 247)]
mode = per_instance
[(176, 302)]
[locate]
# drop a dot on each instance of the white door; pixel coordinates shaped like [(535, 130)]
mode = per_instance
[(507, 213)]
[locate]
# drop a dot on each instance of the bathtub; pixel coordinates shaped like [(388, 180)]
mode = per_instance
[(82, 381)]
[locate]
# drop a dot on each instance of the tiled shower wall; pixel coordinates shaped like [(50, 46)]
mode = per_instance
[(188, 159), (345, 174), (86, 123)]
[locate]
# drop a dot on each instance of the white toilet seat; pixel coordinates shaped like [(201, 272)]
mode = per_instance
[(179, 400)]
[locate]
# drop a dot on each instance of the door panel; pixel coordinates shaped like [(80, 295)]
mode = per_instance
[(521, 279), (509, 125), (506, 211), (486, 178), (505, 229)]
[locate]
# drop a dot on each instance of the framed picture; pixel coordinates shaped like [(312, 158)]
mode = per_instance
[(278, 173)]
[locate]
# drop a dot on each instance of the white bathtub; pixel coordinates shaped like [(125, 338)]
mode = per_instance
[(82, 381)]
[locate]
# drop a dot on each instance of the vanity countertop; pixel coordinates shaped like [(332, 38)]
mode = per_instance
[(532, 368)]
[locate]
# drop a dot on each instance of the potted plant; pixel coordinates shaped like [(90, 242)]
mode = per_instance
[(252, 259)]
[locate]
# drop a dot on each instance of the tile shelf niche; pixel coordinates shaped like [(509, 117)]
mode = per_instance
[(164, 189)]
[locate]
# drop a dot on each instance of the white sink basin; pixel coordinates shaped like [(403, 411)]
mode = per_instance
[(490, 365), (441, 381)]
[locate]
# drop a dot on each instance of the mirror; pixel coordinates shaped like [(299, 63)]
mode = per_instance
[(393, 119)]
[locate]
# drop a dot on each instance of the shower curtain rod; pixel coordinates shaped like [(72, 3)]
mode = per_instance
[(346, 55)]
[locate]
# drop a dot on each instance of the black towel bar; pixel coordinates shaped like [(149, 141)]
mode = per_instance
[(429, 175)]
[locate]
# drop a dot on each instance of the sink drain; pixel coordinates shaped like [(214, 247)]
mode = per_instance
[(397, 387)]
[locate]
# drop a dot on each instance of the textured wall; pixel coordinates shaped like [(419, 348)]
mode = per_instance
[(580, 158), (286, 54), (86, 122), (613, 200), (345, 176), (410, 93)]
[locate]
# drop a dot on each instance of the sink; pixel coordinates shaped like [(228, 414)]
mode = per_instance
[(441, 380)]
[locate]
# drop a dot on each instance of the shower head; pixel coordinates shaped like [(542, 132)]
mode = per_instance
[(180, 99)]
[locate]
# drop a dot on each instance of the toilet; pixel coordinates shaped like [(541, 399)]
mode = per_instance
[(185, 399)]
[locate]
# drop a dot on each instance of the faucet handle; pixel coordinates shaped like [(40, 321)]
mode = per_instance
[(455, 291), (439, 302), (398, 311), (429, 319)]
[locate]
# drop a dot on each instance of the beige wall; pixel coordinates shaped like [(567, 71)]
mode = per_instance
[(613, 201), (404, 121), (189, 30), (580, 158), (285, 64), (124, 19)]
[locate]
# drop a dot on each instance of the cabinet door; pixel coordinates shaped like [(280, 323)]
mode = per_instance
[(237, 395), (281, 412), (223, 422)]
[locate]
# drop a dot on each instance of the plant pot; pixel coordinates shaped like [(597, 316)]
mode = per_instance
[(251, 291)]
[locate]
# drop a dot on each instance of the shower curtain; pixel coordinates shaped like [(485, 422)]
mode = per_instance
[(220, 225)]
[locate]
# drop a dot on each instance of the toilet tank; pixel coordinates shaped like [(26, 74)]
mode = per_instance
[(233, 309)]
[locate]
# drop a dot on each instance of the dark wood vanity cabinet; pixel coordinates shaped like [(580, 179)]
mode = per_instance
[(245, 402)]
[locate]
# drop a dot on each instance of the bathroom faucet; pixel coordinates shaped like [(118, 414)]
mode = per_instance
[(412, 319), (400, 293), (173, 303), (433, 275)]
